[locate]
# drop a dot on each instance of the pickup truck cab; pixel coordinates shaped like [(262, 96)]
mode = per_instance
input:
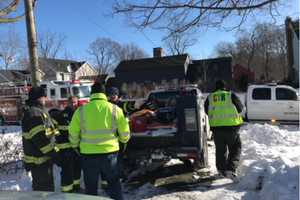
[(272, 102)]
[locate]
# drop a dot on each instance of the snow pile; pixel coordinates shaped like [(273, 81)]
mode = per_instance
[(270, 161), (10, 144)]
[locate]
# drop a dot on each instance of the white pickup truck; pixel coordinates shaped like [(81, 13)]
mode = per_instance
[(272, 102)]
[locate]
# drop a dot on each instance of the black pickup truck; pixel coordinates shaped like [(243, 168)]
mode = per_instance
[(184, 139)]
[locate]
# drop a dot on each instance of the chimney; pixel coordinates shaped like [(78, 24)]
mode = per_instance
[(158, 52)]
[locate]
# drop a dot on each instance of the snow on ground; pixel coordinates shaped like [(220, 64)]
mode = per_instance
[(269, 169)]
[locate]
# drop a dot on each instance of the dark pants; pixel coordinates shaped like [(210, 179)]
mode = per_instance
[(107, 166), (76, 172), (70, 171), (228, 148), (42, 177)]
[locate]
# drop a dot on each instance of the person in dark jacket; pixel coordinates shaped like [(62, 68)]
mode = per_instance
[(223, 108), (39, 150), (113, 96), (70, 165)]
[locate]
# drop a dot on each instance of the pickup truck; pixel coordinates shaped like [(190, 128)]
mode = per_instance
[(186, 136), (272, 102)]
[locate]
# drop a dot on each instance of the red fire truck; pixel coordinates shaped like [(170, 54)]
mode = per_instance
[(12, 98)]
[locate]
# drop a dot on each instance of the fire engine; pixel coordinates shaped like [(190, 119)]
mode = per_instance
[(12, 98)]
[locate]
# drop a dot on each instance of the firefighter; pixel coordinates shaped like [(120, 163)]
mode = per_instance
[(223, 108), (70, 165), (39, 150), (126, 106), (93, 129)]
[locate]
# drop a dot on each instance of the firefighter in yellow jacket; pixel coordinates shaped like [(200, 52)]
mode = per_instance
[(39, 150), (94, 129)]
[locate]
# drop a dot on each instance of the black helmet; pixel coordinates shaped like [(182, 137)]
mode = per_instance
[(112, 91), (36, 92)]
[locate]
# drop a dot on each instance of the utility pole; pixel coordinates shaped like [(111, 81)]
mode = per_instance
[(32, 42)]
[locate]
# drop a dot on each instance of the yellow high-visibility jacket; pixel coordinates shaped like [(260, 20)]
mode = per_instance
[(98, 126), (221, 111)]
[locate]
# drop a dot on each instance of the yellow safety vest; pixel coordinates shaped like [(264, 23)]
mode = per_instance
[(221, 110), (98, 126)]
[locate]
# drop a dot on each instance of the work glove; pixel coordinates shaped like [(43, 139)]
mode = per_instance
[(122, 147)]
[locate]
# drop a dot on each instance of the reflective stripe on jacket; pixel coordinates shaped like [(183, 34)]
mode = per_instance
[(94, 126), (221, 111), (62, 121)]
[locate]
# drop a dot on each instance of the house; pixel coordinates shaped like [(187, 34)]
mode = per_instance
[(205, 72), (14, 77), (137, 77), (64, 70), (292, 40)]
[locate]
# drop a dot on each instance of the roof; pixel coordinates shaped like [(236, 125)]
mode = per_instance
[(13, 75), (152, 63), (211, 60), (50, 66)]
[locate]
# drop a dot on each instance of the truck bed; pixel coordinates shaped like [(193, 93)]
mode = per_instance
[(164, 137)]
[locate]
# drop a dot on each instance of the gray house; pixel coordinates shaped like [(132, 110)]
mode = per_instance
[(137, 77), (14, 77), (205, 72)]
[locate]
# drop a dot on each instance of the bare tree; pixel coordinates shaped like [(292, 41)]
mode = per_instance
[(191, 14), (7, 7), (131, 51), (179, 42), (262, 49), (105, 53), (226, 49), (51, 44), (10, 48)]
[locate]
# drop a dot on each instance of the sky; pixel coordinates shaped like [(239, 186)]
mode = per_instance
[(83, 21)]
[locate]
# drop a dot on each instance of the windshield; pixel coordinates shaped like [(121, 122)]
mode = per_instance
[(164, 98), (81, 91)]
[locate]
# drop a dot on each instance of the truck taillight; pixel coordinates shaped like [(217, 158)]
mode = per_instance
[(190, 119)]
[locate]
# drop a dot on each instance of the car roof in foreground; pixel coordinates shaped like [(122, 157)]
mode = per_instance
[(37, 195)]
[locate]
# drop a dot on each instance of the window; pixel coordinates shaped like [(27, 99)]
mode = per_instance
[(63, 92), (162, 98), (52, 93), (285, 94), (81, 91), (261, 94)]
